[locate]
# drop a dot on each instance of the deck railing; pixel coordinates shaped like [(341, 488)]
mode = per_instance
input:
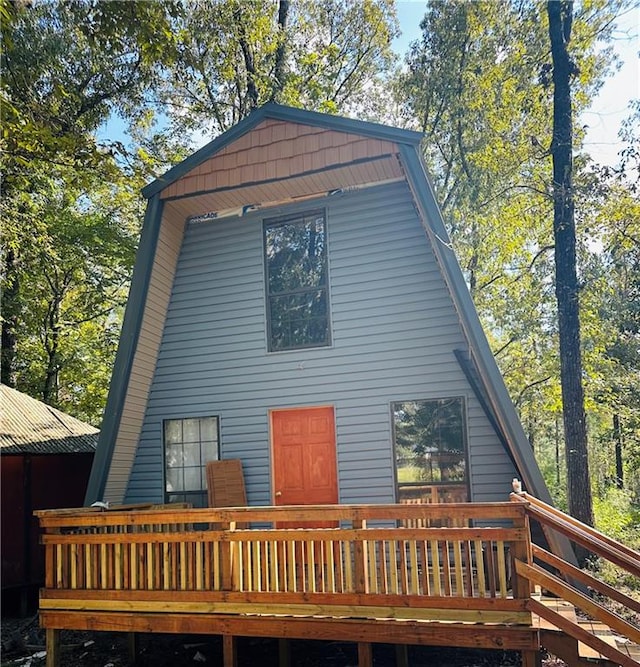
[(574, 579), (369, 565)]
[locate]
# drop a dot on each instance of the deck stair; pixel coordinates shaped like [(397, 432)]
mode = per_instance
[(572, 651), (597, 635)]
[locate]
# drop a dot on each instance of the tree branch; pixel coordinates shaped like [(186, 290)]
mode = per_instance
[(526, 388), (500, 350)]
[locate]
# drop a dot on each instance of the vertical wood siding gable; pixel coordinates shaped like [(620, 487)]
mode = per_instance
[(144, 361), (394, 329)]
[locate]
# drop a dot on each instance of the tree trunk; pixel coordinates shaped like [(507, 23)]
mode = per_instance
[(279, 71), (557, 443), (617, 443), (52, 347), (10, 304), (249, 64), (531, 427), (575, 429), (50, 386)]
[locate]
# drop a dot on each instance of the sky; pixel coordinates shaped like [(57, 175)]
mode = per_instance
[(609, 109)]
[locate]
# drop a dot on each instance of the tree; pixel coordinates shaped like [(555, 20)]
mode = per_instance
[(66, 67), (471, 87), (79, 269), (70, 206), (478, 85), (234, 56), (612, 295), (560, 13)]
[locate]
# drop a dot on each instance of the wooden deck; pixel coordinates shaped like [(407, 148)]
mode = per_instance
[(382, 574), (457, 574)]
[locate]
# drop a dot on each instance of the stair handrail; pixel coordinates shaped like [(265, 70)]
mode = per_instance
[(596, 542), (538, 575), (581, 533), (536, 502)]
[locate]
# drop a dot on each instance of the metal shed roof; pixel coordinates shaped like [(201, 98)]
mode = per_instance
[(28, 426)]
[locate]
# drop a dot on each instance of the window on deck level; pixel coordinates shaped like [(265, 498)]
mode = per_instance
[(431, 462), (188, 445), (296, 281)]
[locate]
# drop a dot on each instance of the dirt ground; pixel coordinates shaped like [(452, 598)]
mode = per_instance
[(23, 645)]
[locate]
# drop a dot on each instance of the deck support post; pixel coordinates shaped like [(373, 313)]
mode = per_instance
[(229, 653), (132, 647), (531, 658), (365, 655), (402, 655), (284, 653), (53, 647)]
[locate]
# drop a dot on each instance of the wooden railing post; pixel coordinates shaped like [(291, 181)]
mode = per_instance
[(49, 575), (521, 550), (361, 564), (523, 587), (227, 554)]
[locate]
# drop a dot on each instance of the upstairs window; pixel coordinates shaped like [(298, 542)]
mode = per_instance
[(431, 460), (296, 281), (188, 445)]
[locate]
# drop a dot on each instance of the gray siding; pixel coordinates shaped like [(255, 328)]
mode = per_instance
[(394, 329)]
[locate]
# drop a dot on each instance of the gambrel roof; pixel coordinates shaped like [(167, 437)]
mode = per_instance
[(275, 156)]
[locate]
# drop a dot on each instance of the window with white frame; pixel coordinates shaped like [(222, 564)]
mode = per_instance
[(188, 444)]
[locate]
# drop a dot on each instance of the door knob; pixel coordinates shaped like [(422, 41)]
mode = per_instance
[(278, 494)]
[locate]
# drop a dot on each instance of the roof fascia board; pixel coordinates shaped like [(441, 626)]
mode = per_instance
[(488, 370), (126, 350), (288, 114)]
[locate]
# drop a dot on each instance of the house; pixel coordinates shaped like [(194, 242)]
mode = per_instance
[(46, 458), (296, 304)]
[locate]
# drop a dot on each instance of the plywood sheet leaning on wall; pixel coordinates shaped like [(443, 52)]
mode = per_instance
[(225, 484)]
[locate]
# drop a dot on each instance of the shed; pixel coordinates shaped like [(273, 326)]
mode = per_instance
[(45, 459), (297, 304)]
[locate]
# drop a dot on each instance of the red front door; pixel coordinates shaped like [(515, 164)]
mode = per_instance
[(304, 456)]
